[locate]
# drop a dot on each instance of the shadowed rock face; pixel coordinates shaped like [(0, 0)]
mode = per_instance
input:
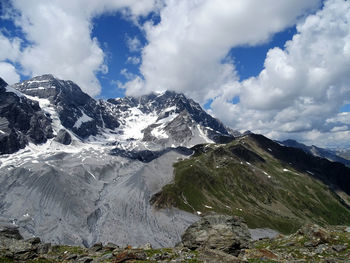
[(3, 83), (71, 104), (316, 151), (21, 121)]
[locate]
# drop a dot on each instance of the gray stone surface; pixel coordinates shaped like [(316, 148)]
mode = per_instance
[(218, 232), (88, 197)]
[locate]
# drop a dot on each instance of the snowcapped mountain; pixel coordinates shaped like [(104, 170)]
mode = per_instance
[(71, 165), (151, 122), (21, 121)]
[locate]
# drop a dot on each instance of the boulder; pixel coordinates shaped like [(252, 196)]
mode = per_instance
[(63, 137), (10, 232), (218, 232)]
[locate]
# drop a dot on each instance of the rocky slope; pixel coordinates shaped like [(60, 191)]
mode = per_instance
[(22, 121), (268, 184), (94, 163), (71, 165), (215, 238)]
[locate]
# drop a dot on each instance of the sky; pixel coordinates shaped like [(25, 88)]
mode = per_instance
[(279, 68)]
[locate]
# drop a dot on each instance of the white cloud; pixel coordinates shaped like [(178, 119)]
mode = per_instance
[(133, 60), (59, 33), (8, 73), (186, 49), (304, 85), (134, 44), (10, 48)]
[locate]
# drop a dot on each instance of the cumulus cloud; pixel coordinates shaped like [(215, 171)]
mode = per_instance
[(301, 88), (59, 36), (134, 44), (133, 60), (187, 48), (8, 73)]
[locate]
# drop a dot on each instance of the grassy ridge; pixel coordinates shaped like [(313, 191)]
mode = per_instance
[(243, 179)]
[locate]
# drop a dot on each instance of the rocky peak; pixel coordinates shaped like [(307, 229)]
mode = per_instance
[(3, 83), (77, 111)]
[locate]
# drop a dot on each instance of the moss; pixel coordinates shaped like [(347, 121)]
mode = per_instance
[(70, 249), (6, 260)]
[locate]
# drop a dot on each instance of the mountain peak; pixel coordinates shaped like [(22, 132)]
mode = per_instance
[(3, 83)]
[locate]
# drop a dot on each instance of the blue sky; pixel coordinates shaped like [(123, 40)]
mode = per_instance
[(231, 56)]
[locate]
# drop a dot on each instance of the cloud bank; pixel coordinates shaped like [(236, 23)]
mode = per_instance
[(58, 37), (301, 88), (299, 92)]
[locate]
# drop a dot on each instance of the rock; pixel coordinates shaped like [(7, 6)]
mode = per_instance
[(96, 247), (130, 255), (10, 232), (63, 137), (44, 248), (110, 246), (146, 246), (339, 248), (72, 257), (317, 234), (321, 248), (85, 260), (107, 256), (33, 240), (211, 256), (220, 232)]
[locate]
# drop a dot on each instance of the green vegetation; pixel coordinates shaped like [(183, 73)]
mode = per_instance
[(240, 178)]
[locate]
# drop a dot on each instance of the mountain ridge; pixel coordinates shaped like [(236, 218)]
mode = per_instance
[(101, 162)]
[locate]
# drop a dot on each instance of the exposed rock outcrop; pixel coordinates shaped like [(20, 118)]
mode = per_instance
[(218, 232)]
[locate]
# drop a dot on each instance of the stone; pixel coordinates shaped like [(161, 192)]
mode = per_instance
[(219, 232), (63, 137), (44, 248), (339, 248), (130, 255), (85, 260), (107, 256), (10, 232), (72, 257), (96, 247), (33, 240), (315, 233), (146, 246)]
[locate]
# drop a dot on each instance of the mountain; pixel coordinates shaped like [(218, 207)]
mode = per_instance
[(268, 184), (99, 165), (320, 152), (168, 119), (75, 170), (21, 121), (75, 110)]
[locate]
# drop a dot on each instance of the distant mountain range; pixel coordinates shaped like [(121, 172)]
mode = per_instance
[(75, 170), (332, 155)]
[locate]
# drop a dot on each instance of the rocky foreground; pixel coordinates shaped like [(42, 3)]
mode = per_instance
[(214, 238)]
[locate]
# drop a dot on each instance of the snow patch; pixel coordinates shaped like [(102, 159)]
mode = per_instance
[(84, 118)]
